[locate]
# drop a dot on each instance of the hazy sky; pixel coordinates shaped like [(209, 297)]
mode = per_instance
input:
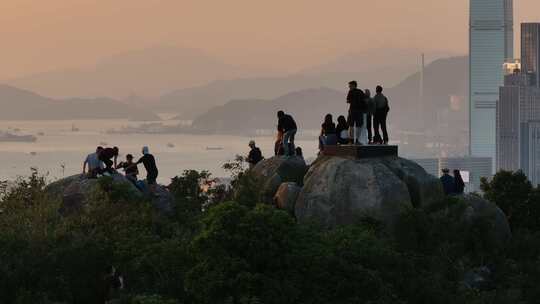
[(38, 35)]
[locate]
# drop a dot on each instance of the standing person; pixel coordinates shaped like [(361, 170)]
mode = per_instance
[(149, 163), (289, 128), (130, 169), (357, 109), (448, 182), (94, 164), (255, 155), (342, 130), (109, 156), (328, 132), (370, 104), (381, 112), (459, 186)]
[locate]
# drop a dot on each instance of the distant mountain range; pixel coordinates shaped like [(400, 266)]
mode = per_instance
[(17, 104), (369, 68), (445, 93), (190, 81), (146, 72)]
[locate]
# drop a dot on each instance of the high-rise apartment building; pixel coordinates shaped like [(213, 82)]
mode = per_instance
[(490, 46)]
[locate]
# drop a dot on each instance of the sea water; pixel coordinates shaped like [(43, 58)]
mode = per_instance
[(61, 150)]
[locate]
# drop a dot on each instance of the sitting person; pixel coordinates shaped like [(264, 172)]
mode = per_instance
[(109, 156), (342, 131), (328, 132), (255, 155), (130, 169), (94, 164)]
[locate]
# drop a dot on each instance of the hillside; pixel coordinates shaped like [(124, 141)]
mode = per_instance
[(244, 116), (17, 104), (444, 78), (369, 68)]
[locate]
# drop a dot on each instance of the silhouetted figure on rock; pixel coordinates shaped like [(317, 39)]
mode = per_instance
[(370, 104), (328, 132), (149, 163), (448, 182), (255, 155), (288, 126), (342, 130), (357, 114), (94, 164), (109, 156), (130, 169), (381, 112)]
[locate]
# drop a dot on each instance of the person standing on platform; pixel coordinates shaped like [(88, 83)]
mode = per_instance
[(357, 114), (381, 112)]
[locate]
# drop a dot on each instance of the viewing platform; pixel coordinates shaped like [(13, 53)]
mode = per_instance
[(359, 152)]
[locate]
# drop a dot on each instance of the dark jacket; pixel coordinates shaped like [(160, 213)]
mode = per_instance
[(328, 128), (255, 156), (107, 153), (286, 123), (449, 184), (149, 163), (381, 103), (357, 100)]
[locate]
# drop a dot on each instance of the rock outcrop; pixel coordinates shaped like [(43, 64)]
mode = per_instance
[(338, 191), (286, 196), (271, 173), (77, 190)]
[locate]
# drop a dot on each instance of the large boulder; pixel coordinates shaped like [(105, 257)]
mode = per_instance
[(424, 189), (77, 190), (338, 191), (286, 196), (272, 172)]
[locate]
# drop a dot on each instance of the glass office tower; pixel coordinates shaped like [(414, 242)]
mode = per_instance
[(491, 45), (530, 51)]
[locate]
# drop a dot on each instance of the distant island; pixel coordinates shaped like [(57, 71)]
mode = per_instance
[(17, 104)]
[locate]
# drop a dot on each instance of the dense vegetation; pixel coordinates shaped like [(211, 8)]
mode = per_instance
[(222, 247)]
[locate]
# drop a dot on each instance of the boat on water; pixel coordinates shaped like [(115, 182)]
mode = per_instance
[(214, 148), (170, 145), (9, 137)]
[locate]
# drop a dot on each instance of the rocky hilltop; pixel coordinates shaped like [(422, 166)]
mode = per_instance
[(77, 190), (337, 191)]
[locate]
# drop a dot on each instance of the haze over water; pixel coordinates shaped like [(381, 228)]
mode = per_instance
[(61, 146)]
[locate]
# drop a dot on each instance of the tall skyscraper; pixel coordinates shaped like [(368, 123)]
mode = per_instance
[(530, 51), (490, 45)]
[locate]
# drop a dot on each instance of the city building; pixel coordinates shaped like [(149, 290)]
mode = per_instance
[(518, 110), (530, 51), (490, 45), (530, 152)]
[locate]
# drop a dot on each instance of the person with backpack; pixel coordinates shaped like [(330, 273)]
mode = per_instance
[(381, 112), (255, 155), (357, 114)]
